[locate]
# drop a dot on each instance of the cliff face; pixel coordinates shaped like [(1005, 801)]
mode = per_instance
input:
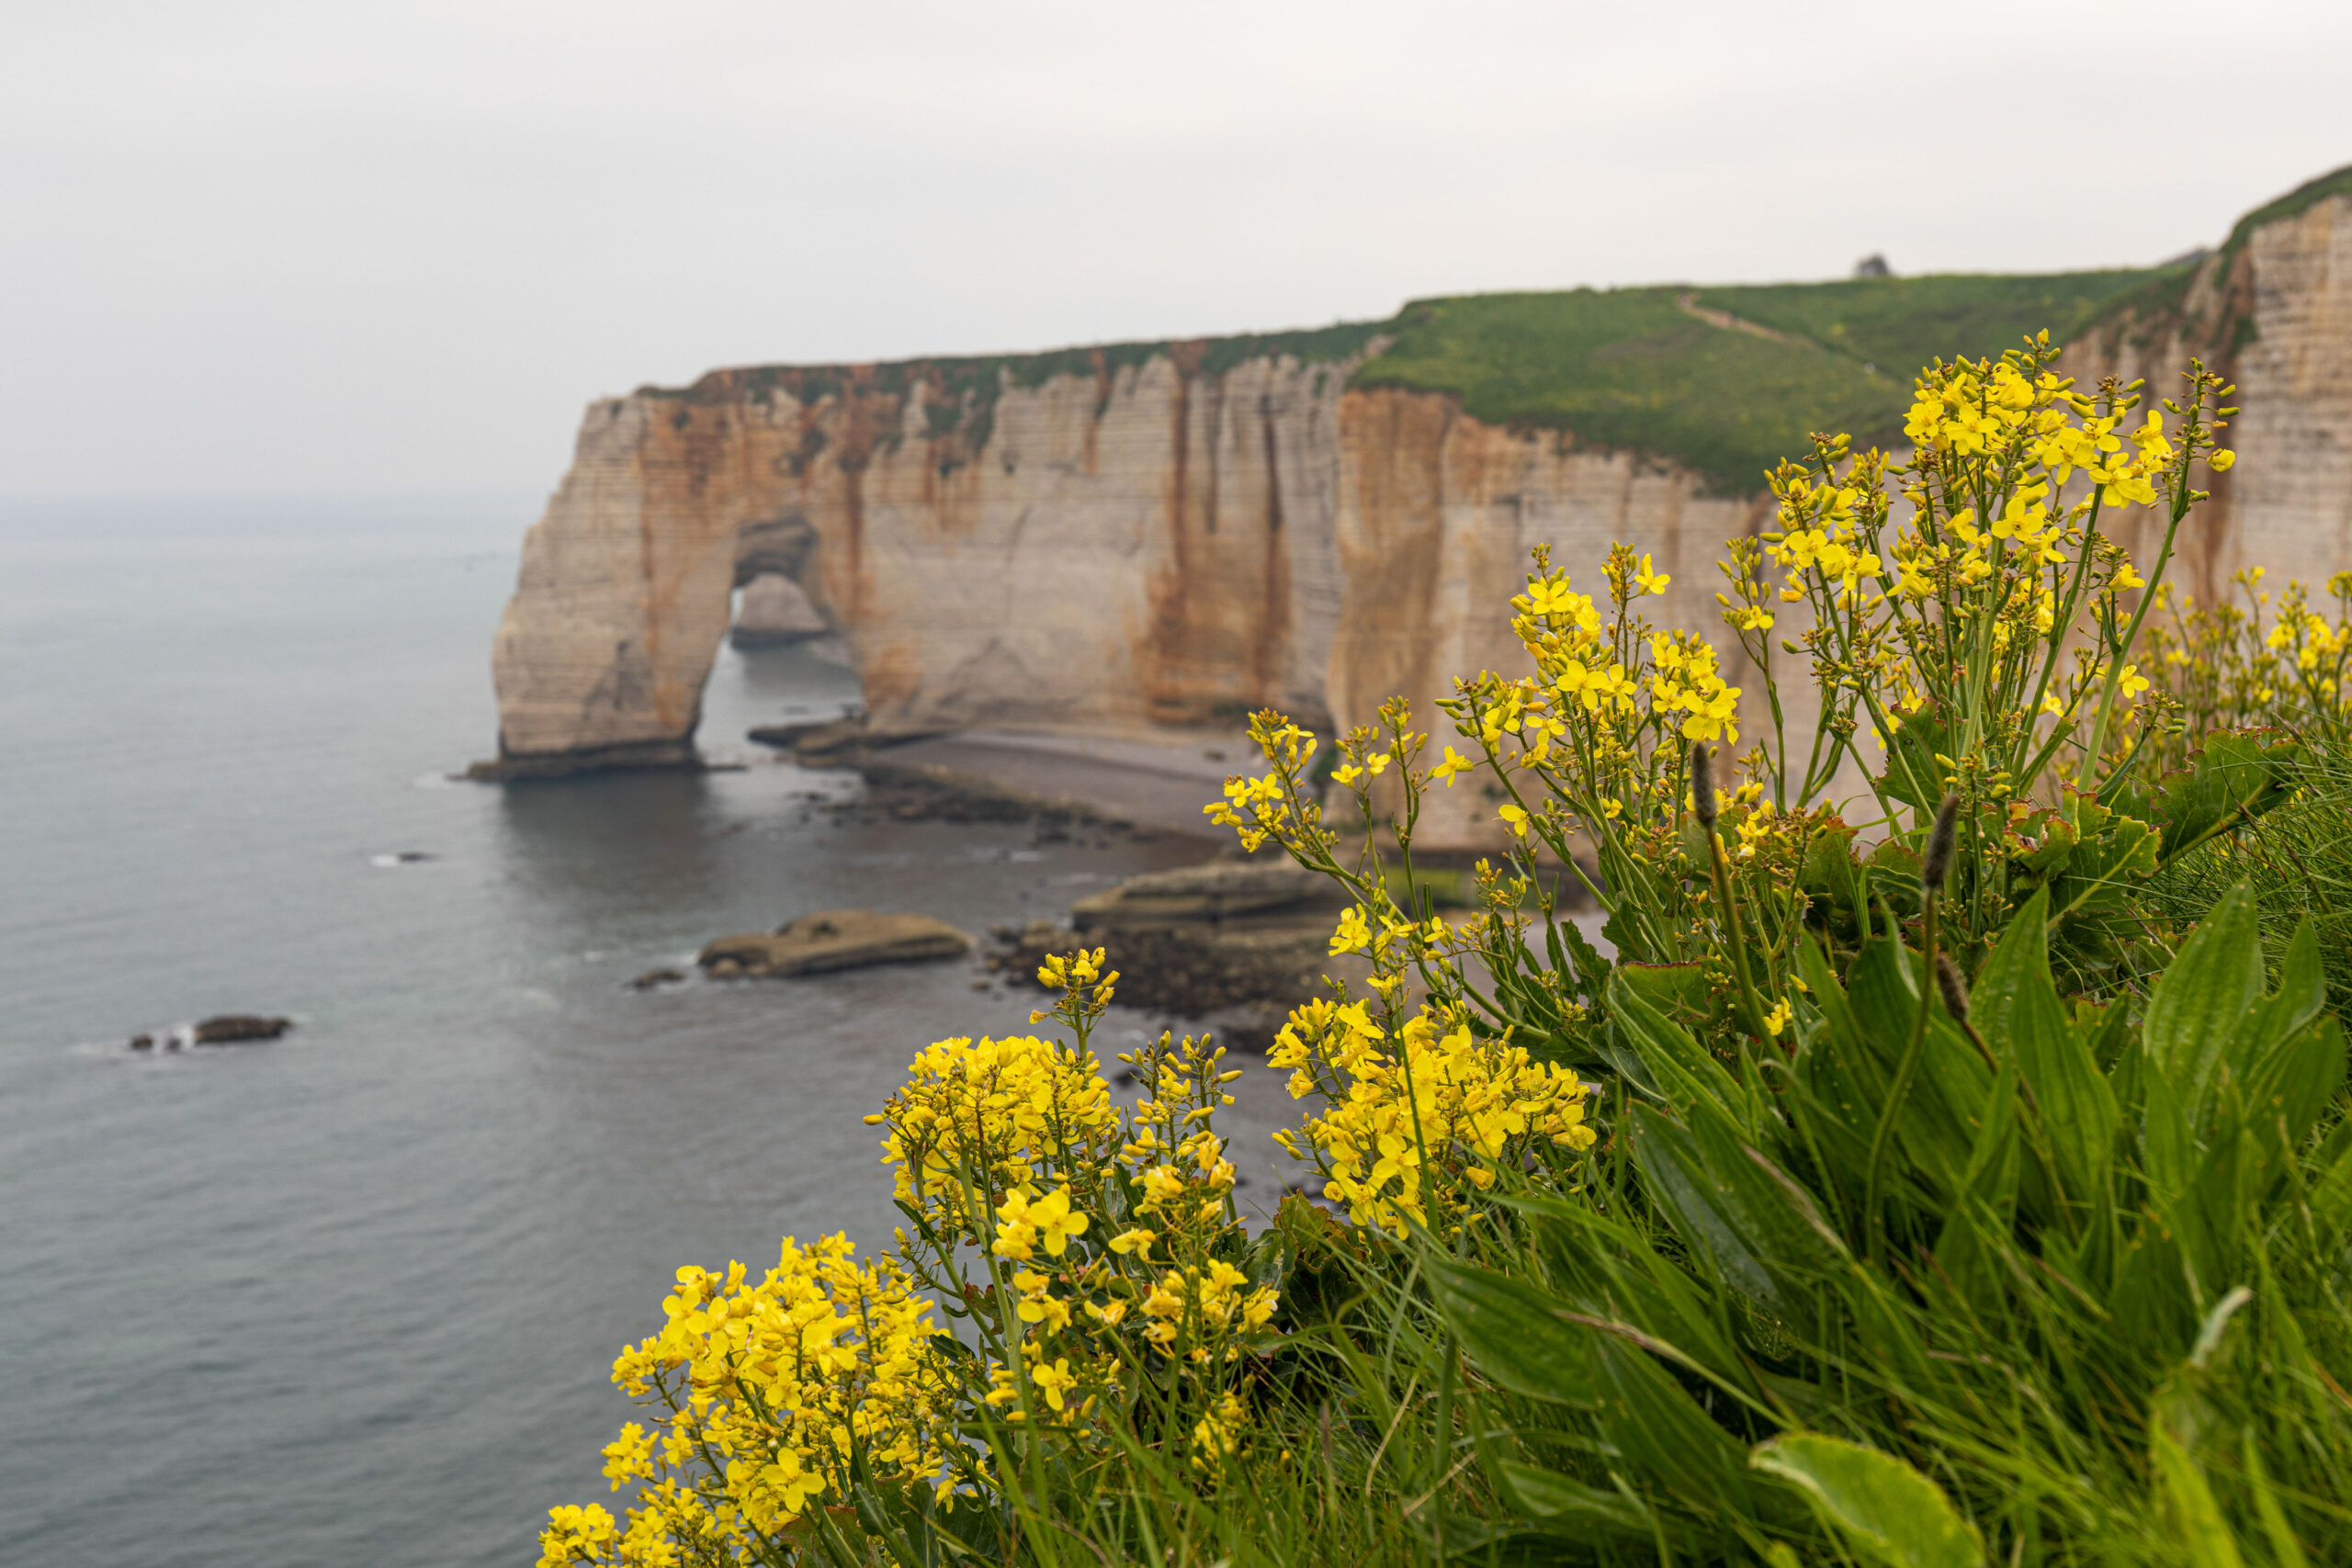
[(1146, 545), (1133, 538), (2272, 311)]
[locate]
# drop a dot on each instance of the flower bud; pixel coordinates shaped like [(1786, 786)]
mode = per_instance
[(1955, 991), (1703, 785), (1935, 864)]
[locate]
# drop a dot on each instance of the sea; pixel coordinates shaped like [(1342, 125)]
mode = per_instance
[(353, 1296)]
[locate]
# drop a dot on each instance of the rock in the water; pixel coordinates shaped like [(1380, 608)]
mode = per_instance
[(836, 939), (774, 613), (1212, 892), (653, 977), (785, 737), (234, 1028), (142, 1043)]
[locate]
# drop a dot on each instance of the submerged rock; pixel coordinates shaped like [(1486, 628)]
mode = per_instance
[(653, 977), (834, 939), (235, 1028)]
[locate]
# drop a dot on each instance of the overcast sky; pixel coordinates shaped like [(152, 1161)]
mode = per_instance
[(386, 246)]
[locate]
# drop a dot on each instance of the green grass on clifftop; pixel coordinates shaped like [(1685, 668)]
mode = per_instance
[(1633, 368)]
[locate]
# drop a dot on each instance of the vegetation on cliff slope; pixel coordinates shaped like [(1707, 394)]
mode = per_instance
[(1724, 381)]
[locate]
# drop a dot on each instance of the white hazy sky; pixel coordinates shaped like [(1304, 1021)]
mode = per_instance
[(365, 246)]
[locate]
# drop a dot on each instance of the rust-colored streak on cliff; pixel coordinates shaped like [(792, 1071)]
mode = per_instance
[(1274, 612), (1165, 697)]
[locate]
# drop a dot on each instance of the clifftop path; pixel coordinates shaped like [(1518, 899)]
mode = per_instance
[(1144, 536)]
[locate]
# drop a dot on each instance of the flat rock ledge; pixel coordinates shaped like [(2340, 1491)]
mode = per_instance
[(831, 939), (1232, 944), (1209, 893)]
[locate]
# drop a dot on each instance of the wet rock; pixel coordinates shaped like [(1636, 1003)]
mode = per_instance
[(722, 968), (836, 939), (653, 977), (775, 614), (1195, 893), (236, 1028), (785, 737), (142, 1043)]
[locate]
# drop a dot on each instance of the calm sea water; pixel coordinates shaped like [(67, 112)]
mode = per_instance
[(350, 1297)]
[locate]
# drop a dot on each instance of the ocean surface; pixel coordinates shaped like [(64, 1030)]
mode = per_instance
[(351, 1296)]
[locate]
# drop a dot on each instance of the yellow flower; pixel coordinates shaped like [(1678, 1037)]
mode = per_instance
[(1517, 818), (1354, 934), (1056, 1223), (1136, 1241), (1054, 1381), (1777, 1019), (1650, 581), (2220, 459), (1454, 763)]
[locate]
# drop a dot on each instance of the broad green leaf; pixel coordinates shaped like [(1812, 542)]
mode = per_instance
[(1729, 1208), (2300, 1051), (2016, 1011), (2331, 1188), (2104, 867), (2232, 775), (1526, 1341), (1978, 1226), (1681, 1069), (1514, 1333), (1678, 990), (1879, 1505), (1604, 1267), (2197, 1529), (2285, 1550), (2199, 1006), (1563, 1502), (1913, 774), (1664, 1441)]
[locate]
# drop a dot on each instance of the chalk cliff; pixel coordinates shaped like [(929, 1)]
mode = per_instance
[(2271, 310), (1130, 538)]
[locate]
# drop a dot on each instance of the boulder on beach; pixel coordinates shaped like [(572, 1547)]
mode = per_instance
[(235, 1028), (1194, 894), (834, 939)]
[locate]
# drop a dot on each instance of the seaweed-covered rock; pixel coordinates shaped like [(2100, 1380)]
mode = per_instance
[(834, 939)]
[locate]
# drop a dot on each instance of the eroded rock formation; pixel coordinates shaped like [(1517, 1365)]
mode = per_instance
[(1128, 539)]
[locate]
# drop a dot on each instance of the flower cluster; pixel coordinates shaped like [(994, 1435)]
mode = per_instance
[(1412, 1125), (978, 1121), (763, 1395), (2249, 661)]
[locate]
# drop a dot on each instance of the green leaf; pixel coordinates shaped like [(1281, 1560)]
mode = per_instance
[(2198, 1530), (1683, 1072), (1678, 990), (1913, 774), (1732, 1207), (1563, 1502), (1879, 1505), (2195, 1016), (2016, 1009), (1515, 1334), (2232, 776)]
